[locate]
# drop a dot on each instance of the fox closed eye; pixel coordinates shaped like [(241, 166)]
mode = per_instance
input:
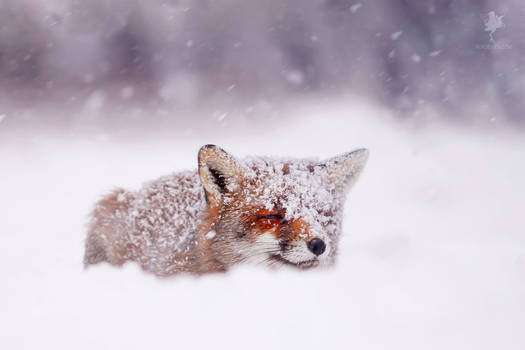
[(271, 216), (274, 217)]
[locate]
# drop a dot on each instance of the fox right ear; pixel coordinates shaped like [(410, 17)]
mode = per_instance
[(344, 170), (219, 173)]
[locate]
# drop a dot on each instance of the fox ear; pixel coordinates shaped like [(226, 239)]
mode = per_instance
[(344, 170), (219, 173)]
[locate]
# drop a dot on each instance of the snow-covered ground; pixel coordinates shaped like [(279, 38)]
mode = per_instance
[(432, 257)]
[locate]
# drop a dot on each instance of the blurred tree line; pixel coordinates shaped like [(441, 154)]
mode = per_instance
[(403, 53)]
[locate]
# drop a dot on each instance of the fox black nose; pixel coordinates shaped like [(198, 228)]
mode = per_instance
[(316, 246)]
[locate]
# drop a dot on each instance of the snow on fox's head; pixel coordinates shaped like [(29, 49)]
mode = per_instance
[(277, 211)]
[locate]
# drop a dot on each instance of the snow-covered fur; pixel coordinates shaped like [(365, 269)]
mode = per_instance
[(263, 210)]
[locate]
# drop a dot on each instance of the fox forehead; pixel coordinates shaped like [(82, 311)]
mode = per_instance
[(295, 186)]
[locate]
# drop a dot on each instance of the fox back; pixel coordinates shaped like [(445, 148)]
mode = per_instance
[(262, 210)]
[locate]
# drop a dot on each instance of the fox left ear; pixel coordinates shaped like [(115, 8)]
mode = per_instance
[(344, 170), (219, 172)]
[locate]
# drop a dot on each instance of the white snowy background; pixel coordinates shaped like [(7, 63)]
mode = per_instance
[(98, 94), (432, 255)]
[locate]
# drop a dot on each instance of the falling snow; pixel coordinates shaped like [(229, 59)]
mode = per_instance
[(355, 8), (396, 35)]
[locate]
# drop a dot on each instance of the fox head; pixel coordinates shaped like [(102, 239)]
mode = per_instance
[(276, 211)]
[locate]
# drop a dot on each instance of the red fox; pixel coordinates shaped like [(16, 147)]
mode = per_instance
[(263, 210)]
